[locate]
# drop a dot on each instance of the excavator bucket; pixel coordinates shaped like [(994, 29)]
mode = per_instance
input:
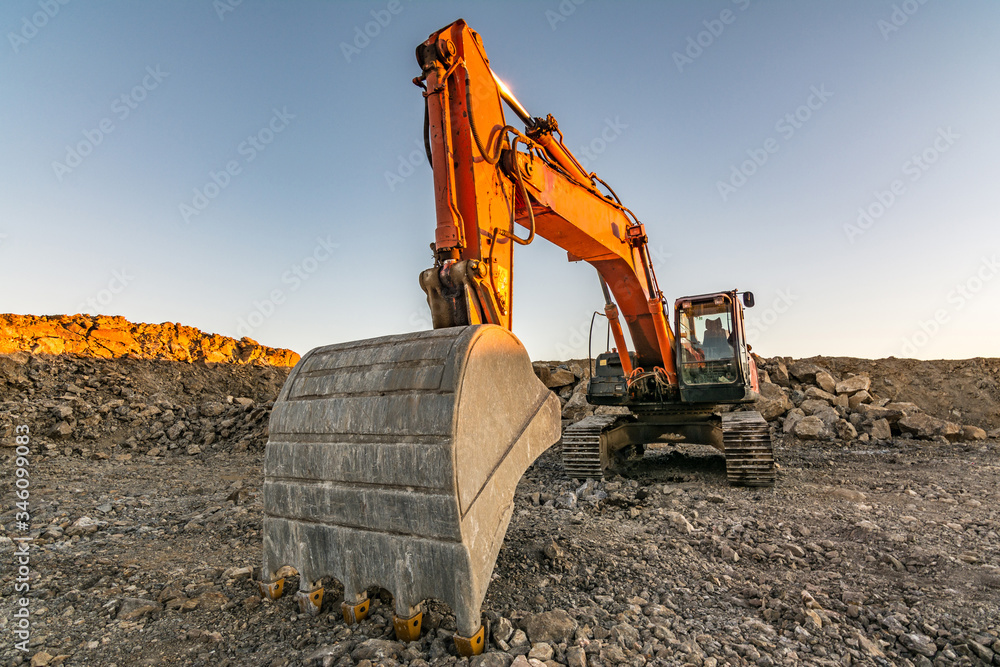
[(392, 462)]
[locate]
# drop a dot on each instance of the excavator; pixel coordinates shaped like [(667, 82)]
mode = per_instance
[(391, 462)]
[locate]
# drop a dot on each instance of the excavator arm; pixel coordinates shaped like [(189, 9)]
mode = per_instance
[(488, 176)]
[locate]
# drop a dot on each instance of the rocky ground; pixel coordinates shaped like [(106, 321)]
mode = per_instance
[(879, 546)]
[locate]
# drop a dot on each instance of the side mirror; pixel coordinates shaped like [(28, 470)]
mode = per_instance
[(748, 299)]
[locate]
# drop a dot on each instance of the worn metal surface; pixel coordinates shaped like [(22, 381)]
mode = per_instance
[(392, 462)]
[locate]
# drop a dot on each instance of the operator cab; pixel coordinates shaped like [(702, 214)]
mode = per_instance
[(713, 362)]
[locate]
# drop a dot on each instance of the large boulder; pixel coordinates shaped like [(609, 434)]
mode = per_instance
[(579, 368), (880, 430), (904, 407), (828, 417), (857, 399), (577, 407), (970, 432), (793, 416), (845, 430), (554, 626), (542, 372), (559, 377), (817, 393), (211, 408), (826, 382), (772, 391), (811, 406), (876, 412), (924, 426), (773, 402), (804, 372), (811, 428), (854, 383), (62, 429), (771, 409), (778, 372)]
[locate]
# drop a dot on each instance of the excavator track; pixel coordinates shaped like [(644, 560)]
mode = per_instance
[(581, 447), (748, 449), (746, 440)]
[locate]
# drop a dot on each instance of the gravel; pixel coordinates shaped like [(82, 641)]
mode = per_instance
[(877, 553)]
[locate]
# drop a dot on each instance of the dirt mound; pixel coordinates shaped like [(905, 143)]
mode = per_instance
[(964, 390), (115, 337)]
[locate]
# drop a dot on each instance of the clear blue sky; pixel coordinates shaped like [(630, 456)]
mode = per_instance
[(749, 136)]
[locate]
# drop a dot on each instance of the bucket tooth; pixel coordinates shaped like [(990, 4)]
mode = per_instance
[(408, 628), (472, 645), (272, 590), (355, 612), (392, 462), (310, 602)]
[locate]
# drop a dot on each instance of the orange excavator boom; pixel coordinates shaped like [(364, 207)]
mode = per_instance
[(484, 182)]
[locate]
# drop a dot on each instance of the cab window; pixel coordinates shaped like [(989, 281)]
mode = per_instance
[(707, 342)]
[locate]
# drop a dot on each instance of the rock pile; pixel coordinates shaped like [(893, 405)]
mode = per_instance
[(811, 403), (803, 399), (109, 337), (568, 380), (99, 408)]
